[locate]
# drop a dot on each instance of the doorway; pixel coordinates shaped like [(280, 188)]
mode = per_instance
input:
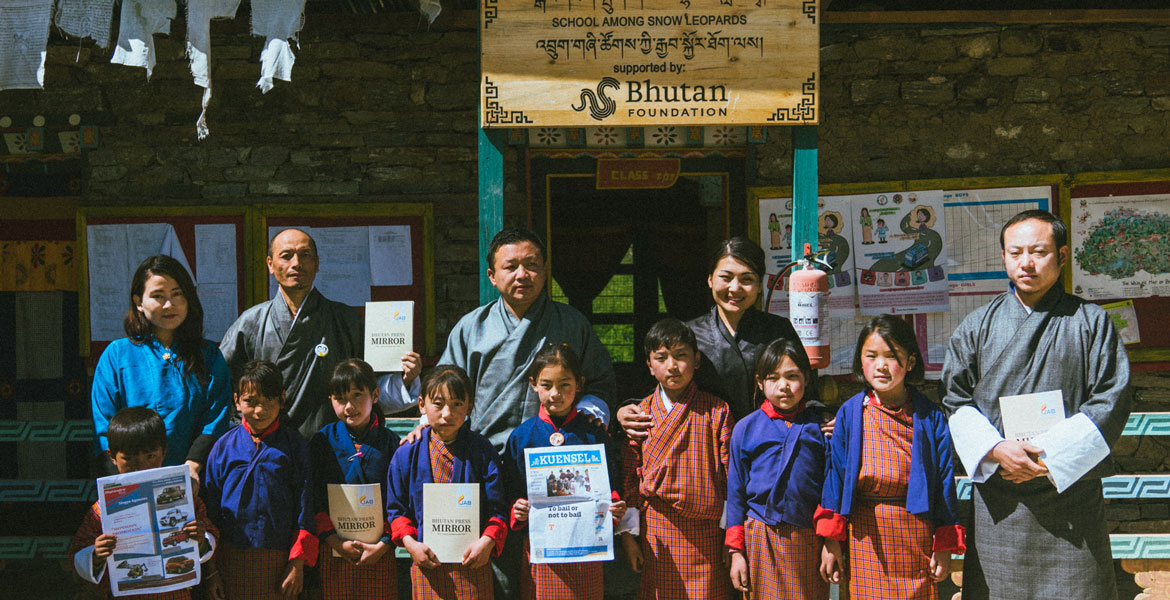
[(628, 257)]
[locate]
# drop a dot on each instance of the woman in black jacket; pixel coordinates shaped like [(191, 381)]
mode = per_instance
[(730, 335)]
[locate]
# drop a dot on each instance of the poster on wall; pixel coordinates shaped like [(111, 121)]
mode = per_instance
[(834, 237), (1121, 246), (900, 252), (975, 273)]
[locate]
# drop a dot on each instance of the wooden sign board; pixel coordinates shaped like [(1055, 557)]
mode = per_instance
[(636, 63)]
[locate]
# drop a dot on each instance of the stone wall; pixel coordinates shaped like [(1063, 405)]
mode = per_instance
[(383, 109), (918, 102)]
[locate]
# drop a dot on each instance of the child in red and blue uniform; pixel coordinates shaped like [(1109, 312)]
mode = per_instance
[(447, 451), (555, 376), (890, 488), (774, 481), (258, 492), (356, 449)]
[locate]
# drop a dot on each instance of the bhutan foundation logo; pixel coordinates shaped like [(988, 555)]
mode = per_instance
[(600, 106)]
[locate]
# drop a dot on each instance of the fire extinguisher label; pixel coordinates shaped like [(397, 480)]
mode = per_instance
[(809, 313)]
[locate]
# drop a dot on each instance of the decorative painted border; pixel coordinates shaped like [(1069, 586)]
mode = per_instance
[(1143, 487), (654, 136), (1147, 424), (68, 490), (809, 8), (804, 112), (491, 10), (493, 113), (1132, 545), (46, 431), (18, 548)]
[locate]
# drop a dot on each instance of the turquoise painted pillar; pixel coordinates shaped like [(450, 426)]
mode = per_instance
[(804, 189), (491, 202)]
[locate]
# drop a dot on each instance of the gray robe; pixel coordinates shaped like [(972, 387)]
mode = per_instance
[(497, 349), (1027, 540), (267, 332)]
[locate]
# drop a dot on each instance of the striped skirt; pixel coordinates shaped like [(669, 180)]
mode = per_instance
[(683, 557), (889, 553), (568, 581), (784, 562), (343, 580), (451, 582), (251, 573)]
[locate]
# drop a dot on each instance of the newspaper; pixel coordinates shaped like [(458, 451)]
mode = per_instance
[(146, 510), (568, 490)]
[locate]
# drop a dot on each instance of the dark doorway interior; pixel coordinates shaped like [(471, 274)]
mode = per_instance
[(626, 258)]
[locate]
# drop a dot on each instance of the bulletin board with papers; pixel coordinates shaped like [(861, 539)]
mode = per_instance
[(1119, 237), (973, 211), (210, 241), (369, 252)]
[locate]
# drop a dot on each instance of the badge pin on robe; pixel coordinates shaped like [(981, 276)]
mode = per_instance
[(321, 349), (557, 438)]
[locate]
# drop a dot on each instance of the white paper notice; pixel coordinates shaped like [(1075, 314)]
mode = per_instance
[(215, 253), (172, 248), (147, 511), (389, 334), (109, 280), (1028, 415), (450, 519), (345, 264), (147, 239), (215, 259), (390, 255), (219, 308)]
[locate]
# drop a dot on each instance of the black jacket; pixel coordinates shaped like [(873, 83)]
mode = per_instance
[(728, 363)]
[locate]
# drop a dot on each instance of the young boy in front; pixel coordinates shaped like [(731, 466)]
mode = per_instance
[(678, 475), (138, 441), (258, 492)]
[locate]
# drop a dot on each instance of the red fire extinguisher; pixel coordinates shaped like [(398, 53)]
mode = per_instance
[(808, 305)]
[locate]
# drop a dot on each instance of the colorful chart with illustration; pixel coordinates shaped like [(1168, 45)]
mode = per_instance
[(834, 231), (901, 252)]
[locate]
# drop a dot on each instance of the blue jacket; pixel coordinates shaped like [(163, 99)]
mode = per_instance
[(775, 473), (931, 490), (476, 461)]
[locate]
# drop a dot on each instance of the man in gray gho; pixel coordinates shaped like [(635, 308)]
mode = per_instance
[(307, 335), (1039, 526)]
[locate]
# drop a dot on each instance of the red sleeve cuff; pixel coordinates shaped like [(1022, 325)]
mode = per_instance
[(400, 528), (614, 496), (735, 538), (304, 548), (830, 524), (950, 538), (498, 531), (324, 524)]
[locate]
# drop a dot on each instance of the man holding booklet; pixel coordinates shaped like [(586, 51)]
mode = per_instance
[(1037, 386)]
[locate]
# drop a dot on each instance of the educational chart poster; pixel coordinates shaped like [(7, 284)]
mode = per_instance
[(900, 252), (1121, 246), (975, 271), (834, 226), (569, 519), (146, 510)]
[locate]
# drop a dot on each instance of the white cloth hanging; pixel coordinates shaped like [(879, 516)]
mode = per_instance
[(86, 18), (430, 9), (199, 16), (141, 19), (24, 36), (279, 21)]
